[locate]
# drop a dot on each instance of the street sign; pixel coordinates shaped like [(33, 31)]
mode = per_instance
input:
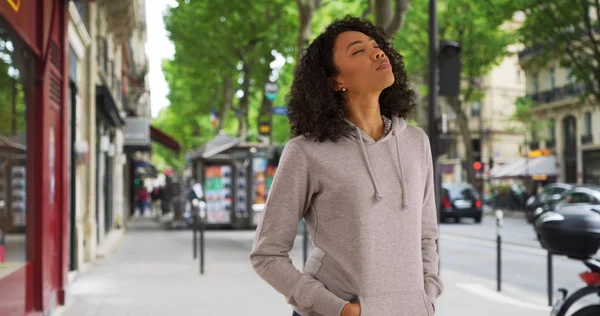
[(271, 90), (280, 110)]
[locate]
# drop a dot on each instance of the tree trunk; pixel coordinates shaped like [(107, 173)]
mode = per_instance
[(465, 135), (306, 10), (14, 107), (244, 101), (227, 101), (390, 16)]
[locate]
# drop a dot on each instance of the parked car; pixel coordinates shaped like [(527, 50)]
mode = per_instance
[(461, 200), (550, 195), (579, 197)]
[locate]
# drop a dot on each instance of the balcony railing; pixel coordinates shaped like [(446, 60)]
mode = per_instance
[(111, 74), (530, 51), (560, 93), (587, 139)]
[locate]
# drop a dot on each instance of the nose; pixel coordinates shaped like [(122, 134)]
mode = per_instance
[(379, 54)]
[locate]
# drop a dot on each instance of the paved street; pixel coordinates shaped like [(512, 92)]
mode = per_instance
[(524, 262), (152, 273)]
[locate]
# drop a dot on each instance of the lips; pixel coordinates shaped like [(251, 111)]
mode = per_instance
[(384, 65)]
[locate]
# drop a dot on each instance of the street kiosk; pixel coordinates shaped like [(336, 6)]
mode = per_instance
[(236, 176)]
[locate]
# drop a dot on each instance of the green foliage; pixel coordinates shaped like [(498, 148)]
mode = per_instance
[(523, 121), (10, 88), (218, 40), (475, 25), (566, 32), (213, 41)]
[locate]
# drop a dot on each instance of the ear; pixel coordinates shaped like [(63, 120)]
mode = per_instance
[(335, 84)]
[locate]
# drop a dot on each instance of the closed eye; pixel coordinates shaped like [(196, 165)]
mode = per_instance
[(358, 51)]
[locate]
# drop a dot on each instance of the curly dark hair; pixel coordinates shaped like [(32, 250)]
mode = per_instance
[(318, 112)]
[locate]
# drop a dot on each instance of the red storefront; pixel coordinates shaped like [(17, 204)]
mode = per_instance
[(33, 204)]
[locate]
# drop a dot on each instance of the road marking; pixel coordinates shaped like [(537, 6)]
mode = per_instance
[(479, 289), (492, 244)]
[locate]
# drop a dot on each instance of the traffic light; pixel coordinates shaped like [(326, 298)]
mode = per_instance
[(477, 162), (449, 60), (478, 166), (264, 129), (264, 125)]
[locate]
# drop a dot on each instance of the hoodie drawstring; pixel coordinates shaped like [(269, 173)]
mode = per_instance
[(400, 172), (364, 152)]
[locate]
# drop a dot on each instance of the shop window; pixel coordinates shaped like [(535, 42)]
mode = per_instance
[(475, 109), (551, 142), (588, 123), (16, 93), (551, 78)]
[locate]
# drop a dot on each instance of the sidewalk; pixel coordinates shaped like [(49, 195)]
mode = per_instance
[(152, 273)]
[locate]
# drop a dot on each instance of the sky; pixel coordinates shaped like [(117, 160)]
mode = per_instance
[(158, 47)]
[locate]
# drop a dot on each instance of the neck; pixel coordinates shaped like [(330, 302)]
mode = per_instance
[(365, 113)]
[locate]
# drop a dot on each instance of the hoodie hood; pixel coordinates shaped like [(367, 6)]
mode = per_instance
[(398, 125)]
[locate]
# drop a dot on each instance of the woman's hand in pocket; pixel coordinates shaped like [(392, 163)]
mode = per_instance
[(351, 309)]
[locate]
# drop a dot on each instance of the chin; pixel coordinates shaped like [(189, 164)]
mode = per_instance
[(388, 82)]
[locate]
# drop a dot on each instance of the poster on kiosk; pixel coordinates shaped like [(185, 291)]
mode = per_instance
[(218, 187)]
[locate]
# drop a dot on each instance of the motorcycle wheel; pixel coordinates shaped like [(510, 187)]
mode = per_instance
[(592, 310)]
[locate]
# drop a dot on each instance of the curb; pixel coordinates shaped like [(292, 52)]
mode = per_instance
[(509, 214)]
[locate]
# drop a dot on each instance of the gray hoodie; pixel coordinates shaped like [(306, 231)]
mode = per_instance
[(370, 210)]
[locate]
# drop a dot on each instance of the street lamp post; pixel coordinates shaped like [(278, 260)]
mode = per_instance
[(433, 97)]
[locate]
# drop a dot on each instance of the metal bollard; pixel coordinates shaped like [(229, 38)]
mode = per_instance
[(195, 236), (305, 244), (550, 279), (499, 223), (201, 246)]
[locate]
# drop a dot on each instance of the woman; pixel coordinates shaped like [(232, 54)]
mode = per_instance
[(360, 177)]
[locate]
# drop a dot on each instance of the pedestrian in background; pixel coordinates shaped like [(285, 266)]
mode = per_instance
[(362, 180), (143, 199)]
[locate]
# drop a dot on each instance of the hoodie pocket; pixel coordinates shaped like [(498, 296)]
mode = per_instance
[(314, 262), (394, 304), (428, 304), (324, 269)]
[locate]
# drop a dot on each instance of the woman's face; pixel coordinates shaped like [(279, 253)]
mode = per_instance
[(362, 66)]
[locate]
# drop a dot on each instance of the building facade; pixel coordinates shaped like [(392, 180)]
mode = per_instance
[(489, 122), (573, 133), (71, 74), (34, 171)]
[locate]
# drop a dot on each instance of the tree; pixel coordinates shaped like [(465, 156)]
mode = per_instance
[(221, 49), (479, 29), (523, 121), (388, 14), (306, 11), (566, 32)]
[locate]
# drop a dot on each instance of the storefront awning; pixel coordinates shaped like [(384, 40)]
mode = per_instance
[(545, 166), (160, 137), (144, 169), (215, 146), (14, 142)]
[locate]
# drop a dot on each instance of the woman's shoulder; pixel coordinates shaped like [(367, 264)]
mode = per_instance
[(416, 132), (309, 143)]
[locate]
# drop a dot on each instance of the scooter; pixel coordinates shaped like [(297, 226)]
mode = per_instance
[(592, 280)]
